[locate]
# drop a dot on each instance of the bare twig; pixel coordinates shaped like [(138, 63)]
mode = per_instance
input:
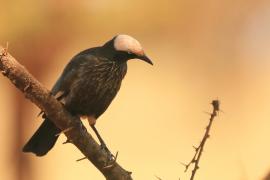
[(198, 150), (78, 135)]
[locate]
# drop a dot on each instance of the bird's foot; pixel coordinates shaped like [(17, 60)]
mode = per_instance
[(111, 163), (110, 156)]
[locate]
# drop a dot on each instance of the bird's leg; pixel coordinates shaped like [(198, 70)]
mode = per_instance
[(92, 121), (102, 143)]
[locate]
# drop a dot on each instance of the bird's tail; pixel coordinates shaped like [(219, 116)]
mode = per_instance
[(43, 139)]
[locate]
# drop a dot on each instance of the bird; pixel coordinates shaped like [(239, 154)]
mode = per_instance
[(87, 86)]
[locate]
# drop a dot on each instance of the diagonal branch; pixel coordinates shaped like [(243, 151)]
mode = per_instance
[(198, 150), (78, 135)]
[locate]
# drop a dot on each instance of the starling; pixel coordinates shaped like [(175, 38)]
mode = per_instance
[(87, 86)]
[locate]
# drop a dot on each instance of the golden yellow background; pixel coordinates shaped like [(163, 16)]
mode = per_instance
[(202, 50)]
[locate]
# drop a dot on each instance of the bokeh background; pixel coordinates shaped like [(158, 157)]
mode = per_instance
[(202, 50)]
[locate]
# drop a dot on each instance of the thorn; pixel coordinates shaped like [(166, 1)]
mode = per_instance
[(158, 177), (109, 166), (41, 112), (184, 164), (64, 131), (196, 148), (26, 87), (208, 113), (67, 141), (81, 159), (116, 155)]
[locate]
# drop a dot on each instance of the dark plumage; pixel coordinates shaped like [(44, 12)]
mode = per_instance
[(87, 86)]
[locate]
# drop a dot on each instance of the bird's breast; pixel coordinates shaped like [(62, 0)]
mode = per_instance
[(96, 88)]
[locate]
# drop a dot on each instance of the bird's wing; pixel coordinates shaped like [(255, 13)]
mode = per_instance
[(71, 74), (62, 86)]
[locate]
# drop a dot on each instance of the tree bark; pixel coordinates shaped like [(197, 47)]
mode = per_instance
[(78, 135)]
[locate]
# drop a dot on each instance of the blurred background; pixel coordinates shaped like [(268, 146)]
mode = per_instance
[(202, 50)]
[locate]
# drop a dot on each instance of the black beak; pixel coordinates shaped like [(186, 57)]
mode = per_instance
[(146, 59)]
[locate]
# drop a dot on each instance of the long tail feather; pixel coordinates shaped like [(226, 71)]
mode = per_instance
[(43, 139)]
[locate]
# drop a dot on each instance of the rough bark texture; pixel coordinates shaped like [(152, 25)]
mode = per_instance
[(78, 135)]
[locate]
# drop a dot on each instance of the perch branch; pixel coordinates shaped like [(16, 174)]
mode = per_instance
[(198, 150), (77, 135)]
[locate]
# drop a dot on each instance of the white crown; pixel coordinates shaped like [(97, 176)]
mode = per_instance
[(128, 44)]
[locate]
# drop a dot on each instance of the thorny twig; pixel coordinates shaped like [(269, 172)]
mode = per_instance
[(198, 150)]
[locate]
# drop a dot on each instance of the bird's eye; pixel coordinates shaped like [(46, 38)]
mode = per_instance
[(129, 52)]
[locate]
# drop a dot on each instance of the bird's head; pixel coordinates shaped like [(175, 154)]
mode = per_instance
[(126, 47)]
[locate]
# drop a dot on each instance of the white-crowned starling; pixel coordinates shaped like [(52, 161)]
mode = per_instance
[(87, 86)]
